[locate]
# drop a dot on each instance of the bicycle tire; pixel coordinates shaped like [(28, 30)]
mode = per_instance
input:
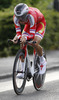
[(16, 89), (38, 81)]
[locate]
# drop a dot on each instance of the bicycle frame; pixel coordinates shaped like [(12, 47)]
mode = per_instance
[(29, 41), (31, 68), (38, 79)]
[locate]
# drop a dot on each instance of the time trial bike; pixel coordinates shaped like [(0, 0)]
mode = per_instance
[(31, 69)]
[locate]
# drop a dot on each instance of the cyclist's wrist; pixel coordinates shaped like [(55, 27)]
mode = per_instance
[(26, 38), (18, 36)]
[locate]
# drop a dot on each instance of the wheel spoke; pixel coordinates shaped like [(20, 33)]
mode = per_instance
[(18, 83)]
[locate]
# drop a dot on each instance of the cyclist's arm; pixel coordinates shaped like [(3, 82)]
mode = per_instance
[(17, 27), (32, 24), (30, 29)]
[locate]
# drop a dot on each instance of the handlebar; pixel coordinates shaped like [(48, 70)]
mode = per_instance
[(27, 41)]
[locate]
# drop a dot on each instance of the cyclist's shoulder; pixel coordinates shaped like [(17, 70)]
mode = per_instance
[(14, 18), (31, 10), (16, 21), (35, 12)]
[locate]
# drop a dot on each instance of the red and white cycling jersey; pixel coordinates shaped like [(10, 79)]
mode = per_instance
[(34, 23)]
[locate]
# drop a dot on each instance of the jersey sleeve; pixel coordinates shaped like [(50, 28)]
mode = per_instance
[(17, 26), (32, 29)]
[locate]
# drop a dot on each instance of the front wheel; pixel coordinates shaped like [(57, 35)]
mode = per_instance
[(19, 83), (38, 79)]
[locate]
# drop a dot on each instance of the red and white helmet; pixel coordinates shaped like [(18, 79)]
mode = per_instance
[(20, 10)]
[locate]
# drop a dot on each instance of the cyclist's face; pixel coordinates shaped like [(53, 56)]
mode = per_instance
[(19, 18), (22, 18)]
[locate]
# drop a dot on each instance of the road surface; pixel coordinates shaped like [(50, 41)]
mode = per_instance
[(49, 91), (6, 64)]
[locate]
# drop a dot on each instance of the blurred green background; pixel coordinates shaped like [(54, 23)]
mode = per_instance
[(7, 29)]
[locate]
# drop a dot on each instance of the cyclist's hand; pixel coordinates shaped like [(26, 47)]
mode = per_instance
[(15, 40), (23, 39)]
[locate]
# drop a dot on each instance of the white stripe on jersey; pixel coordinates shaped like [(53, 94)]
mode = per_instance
[(18, 30), (32, 31), (19, 36)]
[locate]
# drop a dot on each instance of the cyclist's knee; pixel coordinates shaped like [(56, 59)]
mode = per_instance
[(38, 40), (35, 45)]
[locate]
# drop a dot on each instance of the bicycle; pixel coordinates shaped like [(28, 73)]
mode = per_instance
[(31, 70)]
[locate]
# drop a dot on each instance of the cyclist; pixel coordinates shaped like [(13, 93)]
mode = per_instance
[(35, 25)]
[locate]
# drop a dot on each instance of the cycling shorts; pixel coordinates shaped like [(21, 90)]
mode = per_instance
[(40, 30)]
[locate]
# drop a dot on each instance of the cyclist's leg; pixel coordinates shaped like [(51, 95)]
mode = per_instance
[(25, 33), (36, 46), (39, 51), (22, 61), (38, 37)]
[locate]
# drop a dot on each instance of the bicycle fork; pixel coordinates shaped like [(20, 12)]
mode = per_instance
[(31, 66)]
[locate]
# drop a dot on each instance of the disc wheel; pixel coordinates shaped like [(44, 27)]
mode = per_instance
[(38, 79)]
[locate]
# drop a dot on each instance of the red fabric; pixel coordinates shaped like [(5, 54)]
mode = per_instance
[(37, 17)]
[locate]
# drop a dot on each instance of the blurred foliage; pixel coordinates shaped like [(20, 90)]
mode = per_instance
[(5, 3), (7, 29)]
